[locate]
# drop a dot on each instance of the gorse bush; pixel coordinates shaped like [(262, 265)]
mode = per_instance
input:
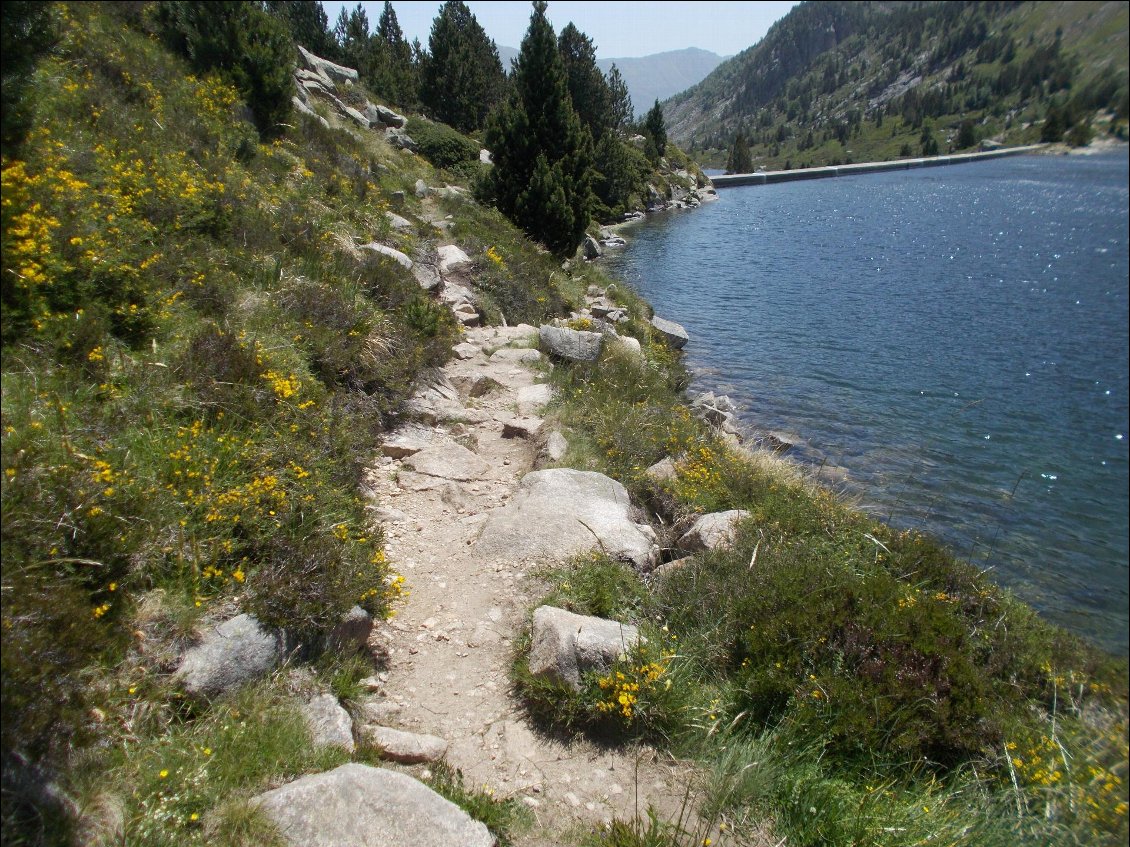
[(195, 356)]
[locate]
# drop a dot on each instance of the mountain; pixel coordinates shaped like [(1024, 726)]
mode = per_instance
[(661, 75), (650, 78), (844, 81)]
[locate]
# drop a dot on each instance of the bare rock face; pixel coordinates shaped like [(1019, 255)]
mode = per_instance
[(229, 656), (559, 512), (566, 645), (712, 531), (362, 806)]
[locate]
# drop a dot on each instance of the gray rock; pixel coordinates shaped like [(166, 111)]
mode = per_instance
[(356, 117), (407, 442), (712, 531), (301, 106), (571, 344), (480, 385), (326, 68), (408, 748), (453, 261), (662, 471), (465, 350), (448, 461), (308, 75), (556, 446), (522, 355), (427, 276), (718, 411), (602, 309), (673, 333), (391, 252), (403, 141), (532, 399), (361, 806), (565, 645), (629, 345), (388, 117), (485, 157), (559, 512), (668, 568), (591, 248), (397, 222), (330, 725), (351, 634), (397, 199), (528, 428), (422, 189), (231, 655)]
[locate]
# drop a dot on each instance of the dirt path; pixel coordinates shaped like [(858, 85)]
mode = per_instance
[(450, 646)]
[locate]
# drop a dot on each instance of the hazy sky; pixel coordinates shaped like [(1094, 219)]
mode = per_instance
[(617, 28)]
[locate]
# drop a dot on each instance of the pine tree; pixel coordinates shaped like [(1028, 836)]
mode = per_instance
[(740, 160), (392, 74), (620, 102), (542, 153), (352, 33), (587, 86), (655, 131), (462, 77), (308, 25)]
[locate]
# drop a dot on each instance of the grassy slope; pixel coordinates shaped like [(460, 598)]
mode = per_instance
[(198, 362)]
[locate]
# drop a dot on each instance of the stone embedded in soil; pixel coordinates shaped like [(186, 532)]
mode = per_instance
[(565, 645), (533, 398), (674, 334), (361, 806), (448, 461), (407, 748), (330, 725), (229, 656), (559, 512), (712, 531), (527, 428), (518, 355)]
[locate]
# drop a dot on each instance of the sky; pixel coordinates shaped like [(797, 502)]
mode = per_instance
[(618, 29)]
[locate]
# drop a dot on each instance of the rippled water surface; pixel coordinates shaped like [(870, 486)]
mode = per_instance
[(956, 338)]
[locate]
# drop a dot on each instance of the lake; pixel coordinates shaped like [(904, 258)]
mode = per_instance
[(956, 338)]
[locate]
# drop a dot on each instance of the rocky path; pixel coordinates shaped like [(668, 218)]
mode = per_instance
[(450, 646)]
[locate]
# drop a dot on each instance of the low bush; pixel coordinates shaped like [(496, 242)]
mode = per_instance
[(441, 145)]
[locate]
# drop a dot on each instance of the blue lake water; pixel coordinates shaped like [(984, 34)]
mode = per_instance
[(956, 338)]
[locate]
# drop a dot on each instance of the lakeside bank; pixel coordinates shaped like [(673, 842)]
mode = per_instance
[(770, 177)]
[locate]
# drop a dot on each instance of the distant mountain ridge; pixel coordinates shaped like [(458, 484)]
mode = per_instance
[(853, 80), (650, 78), (662, 75)]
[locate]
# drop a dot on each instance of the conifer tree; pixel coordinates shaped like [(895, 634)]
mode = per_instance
[(587, 86), (656, 131), (740, 160), (542, 176), (392, 73), (352, 33), (308, 25), (462, 77), (619, 101)]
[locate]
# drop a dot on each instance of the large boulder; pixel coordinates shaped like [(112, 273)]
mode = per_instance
[(571, 344), (453, 261), (236, 652), (361, 806), (712, 531), (559, 512), (673, 333), (566, 645)]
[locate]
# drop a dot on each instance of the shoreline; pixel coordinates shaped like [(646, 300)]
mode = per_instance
[(771, 177)]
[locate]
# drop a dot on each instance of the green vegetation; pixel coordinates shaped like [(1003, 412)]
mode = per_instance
[(462, 77), (848, 681), (837, 82)]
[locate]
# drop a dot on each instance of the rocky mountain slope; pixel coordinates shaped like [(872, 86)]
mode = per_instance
[(837, 82)]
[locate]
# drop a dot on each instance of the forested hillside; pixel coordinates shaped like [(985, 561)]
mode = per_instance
[(839, 82)]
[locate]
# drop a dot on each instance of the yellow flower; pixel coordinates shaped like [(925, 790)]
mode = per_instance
[(163, 774)]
